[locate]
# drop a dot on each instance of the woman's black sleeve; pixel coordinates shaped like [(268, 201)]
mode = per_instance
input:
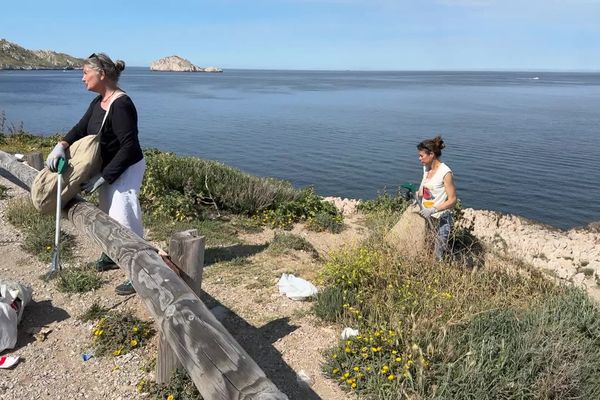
[(124, 125)]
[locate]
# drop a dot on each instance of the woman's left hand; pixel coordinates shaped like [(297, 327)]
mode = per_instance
[(93, 184), (428, 212)]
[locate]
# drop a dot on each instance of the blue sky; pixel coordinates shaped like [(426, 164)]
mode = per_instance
[(318, 34)]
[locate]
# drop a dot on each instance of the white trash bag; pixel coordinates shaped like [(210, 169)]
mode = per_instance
[(347, 333), (14, 297), (296, 288)]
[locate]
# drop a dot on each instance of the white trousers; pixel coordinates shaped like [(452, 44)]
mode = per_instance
[(120, 199)]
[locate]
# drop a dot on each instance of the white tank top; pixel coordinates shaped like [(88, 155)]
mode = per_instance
[(434, 192)]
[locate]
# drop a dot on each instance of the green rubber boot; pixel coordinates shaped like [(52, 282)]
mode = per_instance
[(105, 263)]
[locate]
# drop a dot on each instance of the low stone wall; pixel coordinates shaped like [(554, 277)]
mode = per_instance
[(572, 255)]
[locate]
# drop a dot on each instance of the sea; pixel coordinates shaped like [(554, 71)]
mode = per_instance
[(524, 143)]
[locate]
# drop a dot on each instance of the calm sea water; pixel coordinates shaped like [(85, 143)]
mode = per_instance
[(525, 143)]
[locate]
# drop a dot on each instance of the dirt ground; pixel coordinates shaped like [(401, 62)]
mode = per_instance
[(240, 285)]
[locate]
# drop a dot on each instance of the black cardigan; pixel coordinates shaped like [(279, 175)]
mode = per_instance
[(119, 143)]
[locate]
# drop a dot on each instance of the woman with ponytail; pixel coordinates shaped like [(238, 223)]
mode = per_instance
[(113, 116), (437, 193)]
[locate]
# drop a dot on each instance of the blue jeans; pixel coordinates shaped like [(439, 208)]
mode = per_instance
[(442, 226)]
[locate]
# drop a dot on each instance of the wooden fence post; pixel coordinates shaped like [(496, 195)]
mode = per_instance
[(186, 250), (35, 160)]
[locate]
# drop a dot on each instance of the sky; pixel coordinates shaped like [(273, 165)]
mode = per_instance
[(318, 34)]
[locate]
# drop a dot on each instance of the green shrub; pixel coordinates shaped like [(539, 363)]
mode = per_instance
[(331, 301), (307, 206), (325, 221), (180, 387), (384, 203), (375, 363), (78, 280), (351, 267), (118, 333), (39, 230), (95, 312), (3, 192), (283, 242), (185, 188)]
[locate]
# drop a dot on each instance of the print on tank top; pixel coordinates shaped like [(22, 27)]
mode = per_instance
[(428, 198)]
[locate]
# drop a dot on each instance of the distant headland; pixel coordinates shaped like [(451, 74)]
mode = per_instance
[(13, 56), (179, 64)]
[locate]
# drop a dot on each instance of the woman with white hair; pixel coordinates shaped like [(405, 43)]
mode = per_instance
[(113, 116)]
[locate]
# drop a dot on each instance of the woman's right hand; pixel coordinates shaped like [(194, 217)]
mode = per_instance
[(57, 152)]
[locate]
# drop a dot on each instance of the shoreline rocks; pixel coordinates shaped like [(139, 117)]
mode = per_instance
[(179, 64), (344, 205), (571, 255)]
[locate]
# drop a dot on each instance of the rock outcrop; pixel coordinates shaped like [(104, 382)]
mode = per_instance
[(345, 206), (572, 255), (13, 56), (179, 64)]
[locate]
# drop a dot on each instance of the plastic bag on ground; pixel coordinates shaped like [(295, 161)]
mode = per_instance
[(348, 333), (296, 288), (14, 297)]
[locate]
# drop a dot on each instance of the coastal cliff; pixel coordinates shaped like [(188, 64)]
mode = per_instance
[(15, 57), (572, 255), (179, 64)]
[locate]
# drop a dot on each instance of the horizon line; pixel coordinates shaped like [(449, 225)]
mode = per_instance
[(398, 70)]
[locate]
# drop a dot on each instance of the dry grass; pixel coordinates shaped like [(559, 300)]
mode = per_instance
[(444, 331)]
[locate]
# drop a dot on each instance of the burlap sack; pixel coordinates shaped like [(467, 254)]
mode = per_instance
[(84, 163), (409, 234)]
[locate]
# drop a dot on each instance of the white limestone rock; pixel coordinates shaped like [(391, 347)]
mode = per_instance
[(179, 64)]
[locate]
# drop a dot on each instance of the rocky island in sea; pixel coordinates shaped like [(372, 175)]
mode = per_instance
[(179, 64), (13, 56)]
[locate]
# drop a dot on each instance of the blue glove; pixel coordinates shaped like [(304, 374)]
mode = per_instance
[(52, 160), (427, 212), (93, 184)]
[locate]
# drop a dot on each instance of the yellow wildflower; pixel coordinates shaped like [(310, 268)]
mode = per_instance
[(133, 342), (170, 397), (356, 368), (135, 328), (391, 377)]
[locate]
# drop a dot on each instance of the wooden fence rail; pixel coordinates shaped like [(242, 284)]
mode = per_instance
[(218, 365)]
